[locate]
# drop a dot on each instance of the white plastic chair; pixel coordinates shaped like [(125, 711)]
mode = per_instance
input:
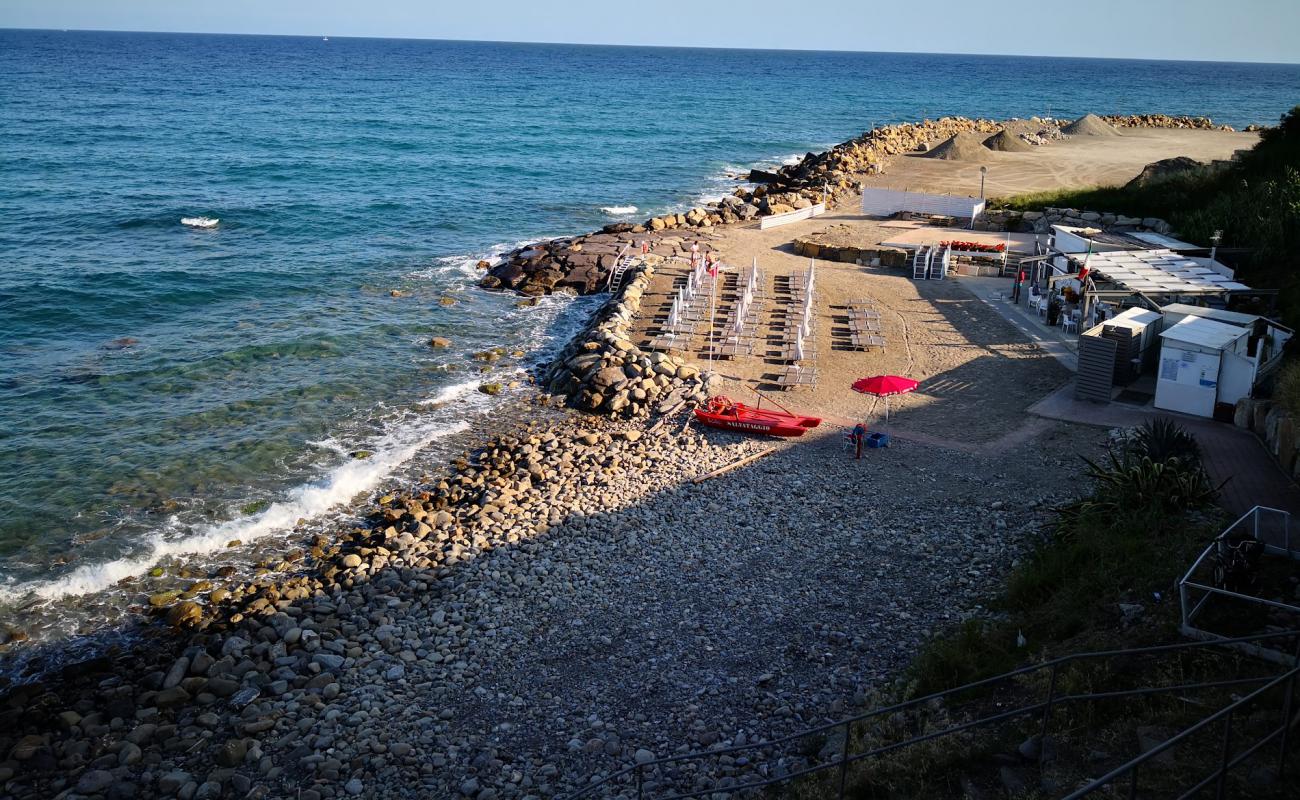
[(1071, 324)]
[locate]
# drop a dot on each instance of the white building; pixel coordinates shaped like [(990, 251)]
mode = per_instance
[(1211, 356)]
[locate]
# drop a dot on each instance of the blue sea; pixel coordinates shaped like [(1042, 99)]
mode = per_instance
[(166, 390)]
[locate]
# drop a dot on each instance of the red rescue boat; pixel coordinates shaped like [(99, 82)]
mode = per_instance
[(722, 412)]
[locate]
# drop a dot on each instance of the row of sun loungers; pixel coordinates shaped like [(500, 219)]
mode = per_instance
[(795, 333), (864, 325), (735, 312)]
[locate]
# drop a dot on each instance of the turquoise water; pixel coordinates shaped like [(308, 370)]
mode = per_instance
[(164, 390)]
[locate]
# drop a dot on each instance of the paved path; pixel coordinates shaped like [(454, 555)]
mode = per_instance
[(996, 292), (1232, 456)]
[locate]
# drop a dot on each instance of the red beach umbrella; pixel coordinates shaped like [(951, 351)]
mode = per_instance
[(885, 386)]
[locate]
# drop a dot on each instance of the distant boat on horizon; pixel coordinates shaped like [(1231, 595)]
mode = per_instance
[(324, 38)]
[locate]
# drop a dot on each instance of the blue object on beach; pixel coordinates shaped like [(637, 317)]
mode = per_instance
[(878, 440)]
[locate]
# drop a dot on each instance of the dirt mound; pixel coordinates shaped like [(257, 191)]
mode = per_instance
[(965, 146), (1007, 142), (1157, 170), (1090, 125)]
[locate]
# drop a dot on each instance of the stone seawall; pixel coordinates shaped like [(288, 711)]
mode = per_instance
[(603, 370), (1002, 219), (581, 265)]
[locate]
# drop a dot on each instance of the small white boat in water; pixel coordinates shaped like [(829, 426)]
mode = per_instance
[(199, 222)]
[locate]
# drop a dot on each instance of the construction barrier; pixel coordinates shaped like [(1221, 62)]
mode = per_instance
[(791, 216), (888, 202)]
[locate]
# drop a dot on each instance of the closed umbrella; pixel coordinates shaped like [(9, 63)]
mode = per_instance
[(885, 386)]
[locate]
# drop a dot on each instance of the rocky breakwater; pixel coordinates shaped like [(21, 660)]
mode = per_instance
[(1163, 121), (582, 265), (868, 153), (604, 371)]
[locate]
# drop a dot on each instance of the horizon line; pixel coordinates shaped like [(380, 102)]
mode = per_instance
[(654, 46)]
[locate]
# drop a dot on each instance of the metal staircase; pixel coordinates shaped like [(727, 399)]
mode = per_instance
[(921, 264), (622, 264)]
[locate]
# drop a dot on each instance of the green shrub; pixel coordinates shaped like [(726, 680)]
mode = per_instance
[(1150, 495), (1162, 439)]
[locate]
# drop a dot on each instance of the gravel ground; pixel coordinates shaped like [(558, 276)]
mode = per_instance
[(593, 609)]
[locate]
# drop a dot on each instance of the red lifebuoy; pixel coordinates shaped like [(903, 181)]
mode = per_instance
[(721, 405)]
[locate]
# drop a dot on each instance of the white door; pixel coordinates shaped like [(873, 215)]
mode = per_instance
[(1188, 380)]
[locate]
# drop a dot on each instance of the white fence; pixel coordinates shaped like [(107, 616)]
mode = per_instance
[(887, 202), (791, 216)]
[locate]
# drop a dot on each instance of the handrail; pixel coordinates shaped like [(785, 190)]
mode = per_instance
[(1054, 665), (618, 269), (1224, 713)]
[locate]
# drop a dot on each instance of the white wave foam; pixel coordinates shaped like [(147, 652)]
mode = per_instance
[(451, 393), (792, 159), (618, 210), (465, 265), (331, 444), (343, 483)]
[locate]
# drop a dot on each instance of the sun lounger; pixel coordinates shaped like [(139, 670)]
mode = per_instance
[(866, 341), (794, 377), (731, 349), (669, 343)]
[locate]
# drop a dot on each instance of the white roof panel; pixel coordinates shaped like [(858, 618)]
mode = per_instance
[(1160, 240), (1133, 318), (1217, 314), (1161, 271), (1203, 332)]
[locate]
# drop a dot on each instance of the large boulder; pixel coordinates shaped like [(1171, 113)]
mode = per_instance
[(607, 379), (510, 275)]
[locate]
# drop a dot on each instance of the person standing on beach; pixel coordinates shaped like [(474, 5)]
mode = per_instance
[(1015, 290), (858, 436), (695, 253)]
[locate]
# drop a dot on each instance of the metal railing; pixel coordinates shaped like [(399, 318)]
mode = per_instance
[(1272, 528), (632, 781), (1219, 777)]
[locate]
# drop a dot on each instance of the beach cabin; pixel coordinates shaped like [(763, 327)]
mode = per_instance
[(1265, 338), (1202, 363), (1206, 365)]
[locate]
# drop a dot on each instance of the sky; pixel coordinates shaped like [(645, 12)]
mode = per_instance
[(1201, 30)]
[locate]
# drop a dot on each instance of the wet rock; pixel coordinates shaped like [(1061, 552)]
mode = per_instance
[(94, 781)]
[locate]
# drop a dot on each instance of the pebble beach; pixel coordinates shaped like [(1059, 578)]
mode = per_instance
[(578, 593)]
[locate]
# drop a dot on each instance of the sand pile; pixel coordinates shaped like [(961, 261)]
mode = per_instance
[(965, 146), (1007, 142), (1090, 125)]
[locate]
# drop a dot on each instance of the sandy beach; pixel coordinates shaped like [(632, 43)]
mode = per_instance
[(569, 601)]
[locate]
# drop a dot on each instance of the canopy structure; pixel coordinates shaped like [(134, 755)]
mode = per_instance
[(1162, 272), (885, 386)]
